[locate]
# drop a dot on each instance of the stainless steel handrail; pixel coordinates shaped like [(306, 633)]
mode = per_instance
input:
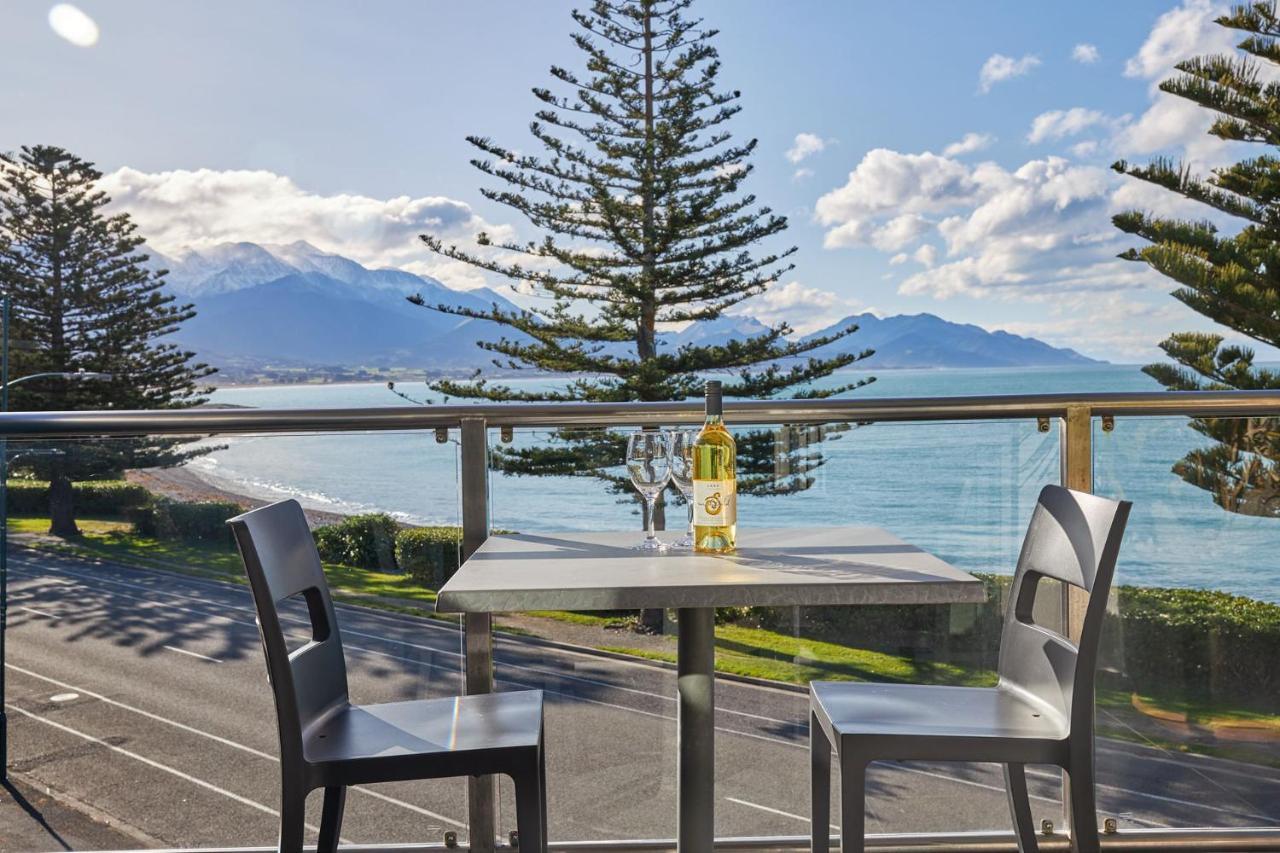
[(18, 425)]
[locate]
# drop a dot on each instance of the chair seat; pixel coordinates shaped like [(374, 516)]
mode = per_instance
[(924, 711), (427, 727)]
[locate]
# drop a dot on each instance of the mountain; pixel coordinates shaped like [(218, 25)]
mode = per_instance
[(295, 305), (926, 340)]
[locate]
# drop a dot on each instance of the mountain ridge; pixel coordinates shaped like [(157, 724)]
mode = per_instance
[(296, 304)]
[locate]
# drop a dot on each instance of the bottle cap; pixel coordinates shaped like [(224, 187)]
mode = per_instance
[(715, 399)]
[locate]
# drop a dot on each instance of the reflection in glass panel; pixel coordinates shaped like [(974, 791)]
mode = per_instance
[(1189, 699), (135, 673)]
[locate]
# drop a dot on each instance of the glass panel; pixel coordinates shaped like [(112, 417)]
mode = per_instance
[(1189, 697), (136, 680), (961, 491)]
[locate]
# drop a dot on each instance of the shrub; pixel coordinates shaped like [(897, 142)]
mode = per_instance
[(91, 497), (364, 541), (429, 554), (1201, 645), (201, 521)]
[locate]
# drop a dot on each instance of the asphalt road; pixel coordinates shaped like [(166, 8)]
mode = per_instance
[(144, 694)]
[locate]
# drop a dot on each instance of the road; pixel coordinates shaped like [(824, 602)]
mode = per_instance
[(144, 694)]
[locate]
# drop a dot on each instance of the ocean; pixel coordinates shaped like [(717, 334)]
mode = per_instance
[(961, 490)]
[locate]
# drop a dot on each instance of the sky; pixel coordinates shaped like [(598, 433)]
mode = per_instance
[(939, 157)]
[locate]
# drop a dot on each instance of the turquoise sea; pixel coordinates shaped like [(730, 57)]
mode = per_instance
[(961, 490)]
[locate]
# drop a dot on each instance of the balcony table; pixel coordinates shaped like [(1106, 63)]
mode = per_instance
[(771, 567)]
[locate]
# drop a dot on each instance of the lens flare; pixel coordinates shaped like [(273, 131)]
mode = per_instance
[(73, 25)]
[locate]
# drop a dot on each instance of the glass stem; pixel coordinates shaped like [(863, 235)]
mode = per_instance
[(689, 501), (652, 502)]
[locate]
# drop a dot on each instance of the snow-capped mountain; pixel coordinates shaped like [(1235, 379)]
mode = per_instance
[(295, 304)]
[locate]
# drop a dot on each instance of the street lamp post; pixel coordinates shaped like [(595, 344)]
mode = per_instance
[(5, 385)]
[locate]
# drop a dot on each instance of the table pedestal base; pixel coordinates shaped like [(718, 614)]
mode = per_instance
[(695, 790)]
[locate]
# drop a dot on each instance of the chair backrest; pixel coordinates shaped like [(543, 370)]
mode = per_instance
[(1074, 538), (281, 561)]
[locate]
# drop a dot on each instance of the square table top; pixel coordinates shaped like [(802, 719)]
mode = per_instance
[(771, 567)]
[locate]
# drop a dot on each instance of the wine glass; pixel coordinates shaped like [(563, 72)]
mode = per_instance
[(682, 475), (649, 464)]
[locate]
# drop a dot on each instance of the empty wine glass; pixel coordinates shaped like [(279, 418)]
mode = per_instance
[(682, 475), (649, 464)]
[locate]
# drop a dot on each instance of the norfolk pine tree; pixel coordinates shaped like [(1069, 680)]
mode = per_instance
[(1232, 279), (84, 299), (644, 228)]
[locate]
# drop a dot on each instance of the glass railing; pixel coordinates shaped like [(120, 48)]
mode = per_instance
[(1189, 696), (135, 677), (135, 682)]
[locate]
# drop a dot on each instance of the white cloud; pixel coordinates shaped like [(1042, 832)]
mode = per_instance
[(1112, 325), (999, 67), (805, 145), (1085, 149), (801, 174), (1086, 54), (926, 254), (805, 309), (1177, 35), (1055, 124), (203, 207), (968, 143), (1024, 234)]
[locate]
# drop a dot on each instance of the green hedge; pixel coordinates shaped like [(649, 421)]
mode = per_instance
[(91, 497), (1201, 645), (201, 521), (429, 554), (365, 541)]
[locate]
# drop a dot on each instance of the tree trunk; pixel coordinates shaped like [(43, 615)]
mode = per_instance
[(62, 513)]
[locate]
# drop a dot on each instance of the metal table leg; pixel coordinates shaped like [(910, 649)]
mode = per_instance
[(695, 650)]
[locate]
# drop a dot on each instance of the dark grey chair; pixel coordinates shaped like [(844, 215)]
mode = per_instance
[(326, 742), (1040, 712)]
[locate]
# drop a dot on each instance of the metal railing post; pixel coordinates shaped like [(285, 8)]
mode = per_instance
[(1077, 473), (482, 791)]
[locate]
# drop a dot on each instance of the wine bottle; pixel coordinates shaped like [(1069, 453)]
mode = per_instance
[(715, 480)]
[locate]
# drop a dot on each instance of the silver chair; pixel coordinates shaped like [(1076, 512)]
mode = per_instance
[(1040, 712), (327, 742)]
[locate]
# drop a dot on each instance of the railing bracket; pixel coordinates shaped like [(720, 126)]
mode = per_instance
[(508, 433), (442, 435), (451, 840), (1109, 826), (1108, 423), (513, 838), (1046, 827), (1042, 423)]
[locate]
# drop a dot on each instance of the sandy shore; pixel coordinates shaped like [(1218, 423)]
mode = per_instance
[(184, 484)]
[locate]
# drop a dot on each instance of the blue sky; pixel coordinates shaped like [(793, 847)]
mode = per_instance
[(343, 124)]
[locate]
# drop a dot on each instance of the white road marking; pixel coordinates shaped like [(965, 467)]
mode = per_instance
[(40, 613), (63, 697), (772, 810), (225, 741), (192, 654)]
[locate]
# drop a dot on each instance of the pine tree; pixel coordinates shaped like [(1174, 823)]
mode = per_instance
[(84, 299), (644, 227), (1233, 279)]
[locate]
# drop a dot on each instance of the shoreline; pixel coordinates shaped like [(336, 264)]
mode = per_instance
[(184, 484)]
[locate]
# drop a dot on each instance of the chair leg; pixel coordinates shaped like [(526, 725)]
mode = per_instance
[(530, 822), (335, 800), (853, 803), (293, 816), (1015, 785), (1084, 807), (819, 787)]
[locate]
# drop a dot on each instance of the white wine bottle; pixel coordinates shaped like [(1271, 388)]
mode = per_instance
[(715, 480)]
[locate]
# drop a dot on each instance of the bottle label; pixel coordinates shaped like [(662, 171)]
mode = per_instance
[(715, 502)]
